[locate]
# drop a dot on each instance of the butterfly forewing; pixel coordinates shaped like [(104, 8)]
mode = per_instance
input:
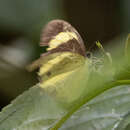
[(60, 32)]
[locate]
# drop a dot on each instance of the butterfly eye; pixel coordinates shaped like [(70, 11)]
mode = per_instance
[(88, 54)]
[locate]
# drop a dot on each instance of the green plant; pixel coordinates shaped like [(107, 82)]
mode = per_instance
[(104, 104)]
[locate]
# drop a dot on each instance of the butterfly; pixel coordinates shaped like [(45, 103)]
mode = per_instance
[(65, 54)]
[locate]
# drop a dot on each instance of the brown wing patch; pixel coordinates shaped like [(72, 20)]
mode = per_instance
[(50, 31), (70, 46)]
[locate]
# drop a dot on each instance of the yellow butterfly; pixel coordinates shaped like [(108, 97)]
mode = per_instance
[(63, 67)]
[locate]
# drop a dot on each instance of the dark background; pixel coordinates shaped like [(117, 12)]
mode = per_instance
[(21, 23)]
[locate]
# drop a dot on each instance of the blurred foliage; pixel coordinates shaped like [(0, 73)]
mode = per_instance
[(20, 26), (25, 16)]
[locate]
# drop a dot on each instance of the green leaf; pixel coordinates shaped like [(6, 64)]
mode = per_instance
[(32, 110), (108, 111), (127, 47)]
